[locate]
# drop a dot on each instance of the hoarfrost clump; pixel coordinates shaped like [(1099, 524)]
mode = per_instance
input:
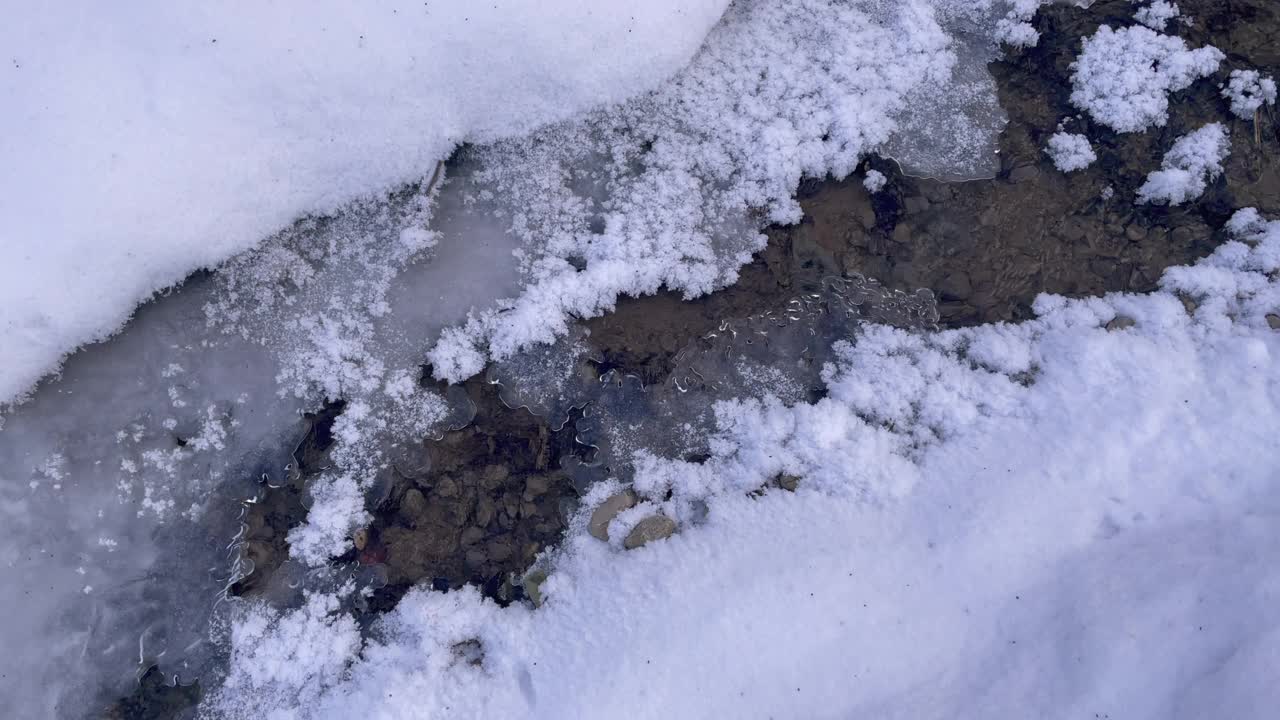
[(1190, 165), (1015, 27), (874, 181), (1123, 77), (1158, 14), (282, 660), (1070, 151), (1249, 90)]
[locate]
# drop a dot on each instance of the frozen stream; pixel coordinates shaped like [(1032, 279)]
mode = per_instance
[(122, 479)]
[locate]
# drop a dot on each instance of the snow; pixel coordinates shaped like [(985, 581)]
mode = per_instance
[(1157, 14), (1249, 90), (874, 181), (1038, 518), (1048, 519), (1123, 77), (1188, 167), (141, 144), (1070, 151)]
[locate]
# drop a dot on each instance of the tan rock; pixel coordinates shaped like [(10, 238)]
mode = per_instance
[(598, 526), (1120, 322), (654, 527)]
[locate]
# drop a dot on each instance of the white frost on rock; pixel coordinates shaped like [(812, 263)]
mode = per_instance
[(971, 503), (1191, 164), (1249, 90), (874, 181), (1123, 77), (1157, 14), (1070, 151)]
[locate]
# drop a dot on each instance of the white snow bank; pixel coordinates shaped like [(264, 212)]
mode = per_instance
[(1123, 77), (1191, 164), (1070, 151), (1047, 519), (143, 142)]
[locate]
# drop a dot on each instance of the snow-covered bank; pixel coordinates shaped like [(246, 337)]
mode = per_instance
[(145, 141), (1070, 516)]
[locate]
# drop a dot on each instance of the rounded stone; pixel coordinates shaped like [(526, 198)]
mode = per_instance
[(598, 526), (654, 527)]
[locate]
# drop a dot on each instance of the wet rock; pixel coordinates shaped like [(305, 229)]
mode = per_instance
[(471, 536), (598, 525), (533, 586), (1121, 322), (446, 487), (916, 204), (1025, 173), (1273, 320), (499, 551), (650, 529), (536, 485), (413, 505), (788, 482), (955, 286), (485, 511)]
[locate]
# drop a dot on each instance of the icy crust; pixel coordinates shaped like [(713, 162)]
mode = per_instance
[(1123, 77), (970, 502), (144, 143), (1191, 164), (669, 189)]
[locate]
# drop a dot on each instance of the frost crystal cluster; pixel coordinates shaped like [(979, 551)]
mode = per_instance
[(1070, 151), (1123, 77), (1187, 169)]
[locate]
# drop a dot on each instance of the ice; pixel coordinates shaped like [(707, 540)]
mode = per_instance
[(126, 473), (952, 131)]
